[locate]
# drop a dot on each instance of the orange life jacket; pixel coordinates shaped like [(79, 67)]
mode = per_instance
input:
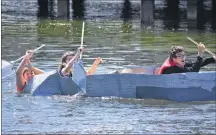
[(168, 63)]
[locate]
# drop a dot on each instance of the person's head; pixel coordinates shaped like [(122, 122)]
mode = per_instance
[(177, 54), (67, 56), (27, 74)]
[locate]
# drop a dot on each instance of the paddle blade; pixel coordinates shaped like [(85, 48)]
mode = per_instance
[(79, 75), (7, 69)]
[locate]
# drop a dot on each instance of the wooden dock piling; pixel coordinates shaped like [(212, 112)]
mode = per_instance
[(147, 12)]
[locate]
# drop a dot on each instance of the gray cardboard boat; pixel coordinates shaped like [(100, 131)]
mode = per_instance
[(52, 83), (178, 87)]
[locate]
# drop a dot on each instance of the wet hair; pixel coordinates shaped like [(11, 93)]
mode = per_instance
[(63, 59), (174, 50)]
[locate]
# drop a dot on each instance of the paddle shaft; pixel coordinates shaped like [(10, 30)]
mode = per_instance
[(198, 44), (24, 55), (83, 26)]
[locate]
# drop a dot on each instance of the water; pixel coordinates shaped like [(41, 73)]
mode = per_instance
[(120, 42)]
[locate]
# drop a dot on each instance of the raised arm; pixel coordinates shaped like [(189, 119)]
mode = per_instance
[(20, 81), (36, 71), (69, 65)]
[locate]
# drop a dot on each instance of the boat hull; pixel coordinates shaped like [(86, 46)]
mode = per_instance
[(178, 87), (181, 87), (52, 83), (7, 70)]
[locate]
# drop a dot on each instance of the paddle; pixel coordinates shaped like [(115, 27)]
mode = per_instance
[(97, 61), (198, 44), (7, 67), (83, 26), (79, 76)]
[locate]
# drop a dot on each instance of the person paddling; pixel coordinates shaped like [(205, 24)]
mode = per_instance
[(176, 61), (67, 60), (26, 71)]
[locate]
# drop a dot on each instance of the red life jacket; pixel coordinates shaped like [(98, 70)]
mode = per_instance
[(168, 63)]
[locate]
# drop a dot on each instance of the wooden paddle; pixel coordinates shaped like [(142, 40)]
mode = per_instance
[(83, 26), (24, 55), (198, 44), (7, 67), (12, 62), (97, 61)]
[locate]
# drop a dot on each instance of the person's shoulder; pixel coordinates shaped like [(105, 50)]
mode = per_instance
[(173, 69)]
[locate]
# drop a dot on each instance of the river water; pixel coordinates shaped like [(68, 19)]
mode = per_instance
[(119, 40)]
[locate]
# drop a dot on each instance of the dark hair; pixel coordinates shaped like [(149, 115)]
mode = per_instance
[(64, 56), (63, 59), (174, 50)]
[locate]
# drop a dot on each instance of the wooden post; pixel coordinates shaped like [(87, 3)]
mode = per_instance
[(201, 19), (126, 11), (192, 9), (51, 9), (147, 12), (192, 13), (42, 8), (78, 8), (171, 14), (63, 9), (213, 26)]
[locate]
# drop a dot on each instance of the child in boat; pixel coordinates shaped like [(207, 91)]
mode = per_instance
[(26, 71), (67, 60), (176, 61)]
